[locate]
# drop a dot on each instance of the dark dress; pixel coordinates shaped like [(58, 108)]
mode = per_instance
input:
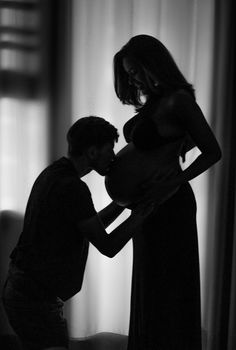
[(165, 297)]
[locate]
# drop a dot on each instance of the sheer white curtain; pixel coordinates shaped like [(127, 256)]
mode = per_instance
[(100, 28), (23, 149)]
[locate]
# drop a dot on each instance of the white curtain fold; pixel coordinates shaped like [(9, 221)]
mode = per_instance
[(23, 149)]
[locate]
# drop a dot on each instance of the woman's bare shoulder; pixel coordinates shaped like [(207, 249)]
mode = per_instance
[(181, 97)]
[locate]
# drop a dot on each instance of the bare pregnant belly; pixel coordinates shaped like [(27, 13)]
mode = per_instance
[(133, 167)]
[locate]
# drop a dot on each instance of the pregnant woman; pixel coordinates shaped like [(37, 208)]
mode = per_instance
[(165, 302)]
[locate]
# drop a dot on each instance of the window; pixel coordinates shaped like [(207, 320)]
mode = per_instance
[(21, 53)]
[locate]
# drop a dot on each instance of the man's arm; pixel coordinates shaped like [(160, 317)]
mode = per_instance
[(110, 213), (110, 244)]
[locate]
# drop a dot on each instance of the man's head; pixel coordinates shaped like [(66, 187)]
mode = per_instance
[(94, 138)]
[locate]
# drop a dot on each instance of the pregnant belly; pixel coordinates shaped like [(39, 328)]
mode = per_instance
[(133, 167)]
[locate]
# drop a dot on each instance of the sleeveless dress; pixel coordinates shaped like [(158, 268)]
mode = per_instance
[(165, 296)]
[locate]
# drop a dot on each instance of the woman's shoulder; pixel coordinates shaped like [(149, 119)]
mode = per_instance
[(170, 101), (181, 99), (182, 95)]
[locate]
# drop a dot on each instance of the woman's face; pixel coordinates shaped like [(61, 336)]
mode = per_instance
[(137, 76)]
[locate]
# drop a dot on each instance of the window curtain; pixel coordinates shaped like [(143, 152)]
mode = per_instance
[(34, 93), (31, 108), (23, 100), (220, 306)]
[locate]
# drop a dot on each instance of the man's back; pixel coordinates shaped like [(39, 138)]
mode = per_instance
[(51, 249)]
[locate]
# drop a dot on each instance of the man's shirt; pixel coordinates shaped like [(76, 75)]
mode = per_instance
[(51, 250)]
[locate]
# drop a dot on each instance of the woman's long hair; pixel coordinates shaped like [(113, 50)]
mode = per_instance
[(156, 61)]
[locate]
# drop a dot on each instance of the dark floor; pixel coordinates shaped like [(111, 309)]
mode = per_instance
[(101, 341)]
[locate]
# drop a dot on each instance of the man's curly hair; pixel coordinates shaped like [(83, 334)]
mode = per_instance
[(90, 131)]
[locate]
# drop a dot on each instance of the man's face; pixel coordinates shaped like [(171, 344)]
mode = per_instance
[(102, 161)]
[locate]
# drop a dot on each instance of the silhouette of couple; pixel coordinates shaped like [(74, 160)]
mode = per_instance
[(48, 262)]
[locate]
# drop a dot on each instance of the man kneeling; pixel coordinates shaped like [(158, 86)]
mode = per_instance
[(48, 262)]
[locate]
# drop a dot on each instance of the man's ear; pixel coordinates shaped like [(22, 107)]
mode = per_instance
[(92, 152)]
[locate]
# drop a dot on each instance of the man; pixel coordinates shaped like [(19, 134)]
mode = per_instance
[(47, 265)]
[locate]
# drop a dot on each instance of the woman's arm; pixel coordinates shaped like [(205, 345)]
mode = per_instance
[(188, 146), (193, 123), (192, 120)]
